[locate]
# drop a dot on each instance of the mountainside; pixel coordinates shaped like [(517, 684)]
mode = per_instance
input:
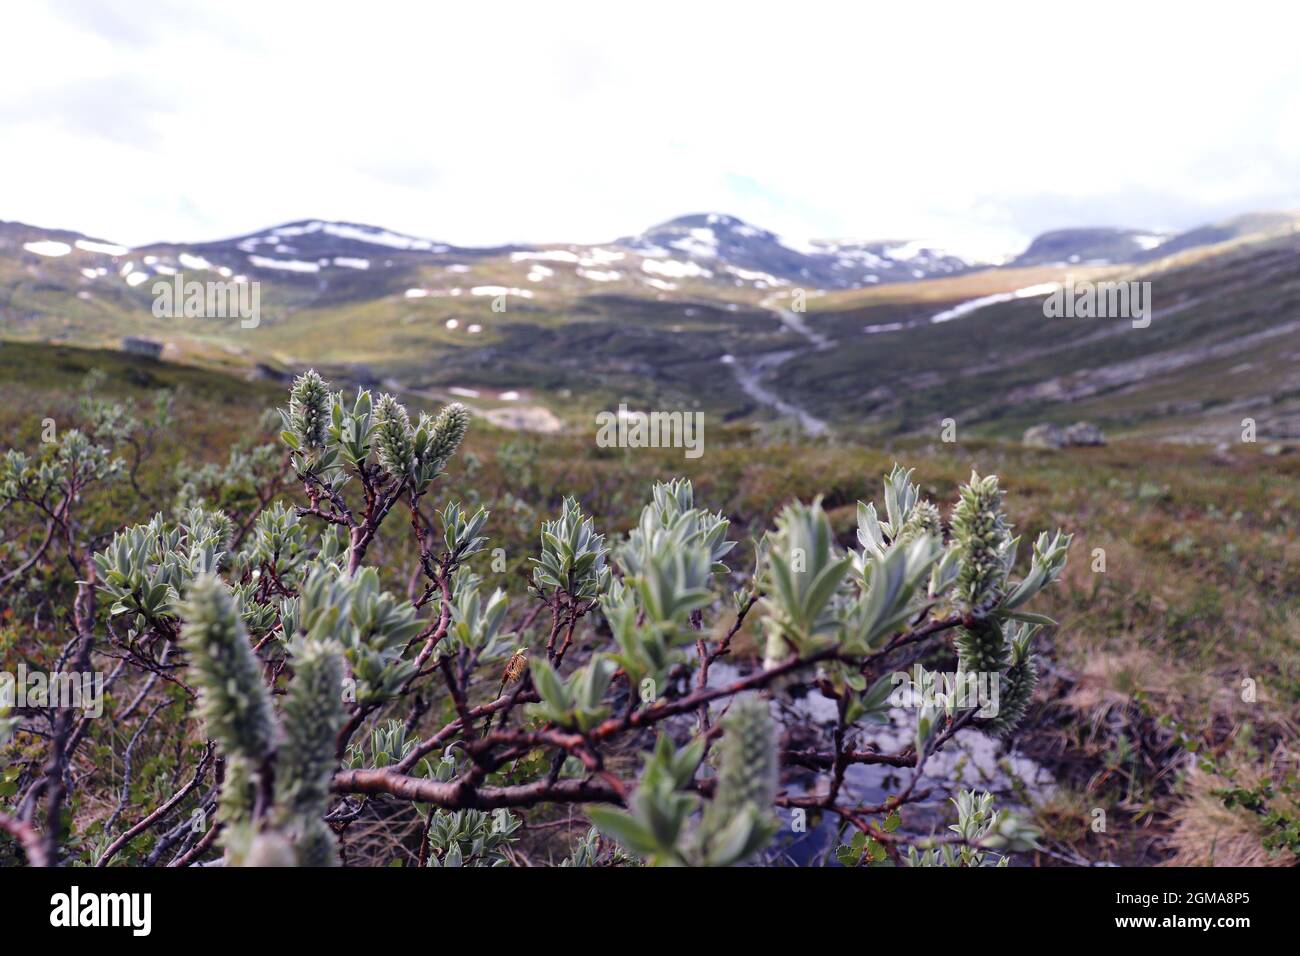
[(698, 312), (1235, 228), (309, 247), (1106, 245), (701, 250), (727, 244), (1097, 245), (1222, 346)]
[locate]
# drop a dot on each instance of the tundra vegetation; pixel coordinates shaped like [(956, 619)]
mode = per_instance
[(316, 652)]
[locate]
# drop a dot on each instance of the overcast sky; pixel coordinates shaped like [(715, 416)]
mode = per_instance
[(484, 122)]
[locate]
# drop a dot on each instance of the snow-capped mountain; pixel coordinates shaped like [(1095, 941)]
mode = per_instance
[(708, 248), (1090, 246), (694, 255), (312, 246), (726, 246), (315, 254)]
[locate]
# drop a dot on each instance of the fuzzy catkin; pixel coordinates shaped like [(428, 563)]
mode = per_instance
[(233, 701), (393, 442), (981, 649), (923, 520), (748, 771), (1016, 692), (271, 848), (981, 534), (448, 431), (309, 409), (310, 719)]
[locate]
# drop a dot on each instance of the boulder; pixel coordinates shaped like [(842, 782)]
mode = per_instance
[(137, 345), (1044, 436), (1084, 433)]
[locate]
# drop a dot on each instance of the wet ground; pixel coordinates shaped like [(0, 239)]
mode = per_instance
[(971, 759)]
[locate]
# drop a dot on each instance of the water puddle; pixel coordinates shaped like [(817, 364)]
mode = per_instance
[(971, 760)]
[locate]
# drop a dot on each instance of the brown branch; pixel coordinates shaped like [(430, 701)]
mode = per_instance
[(196, 851), (50, 527), (457, 796), (161, 811)]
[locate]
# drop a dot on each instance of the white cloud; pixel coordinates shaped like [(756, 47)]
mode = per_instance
[(480, 123)]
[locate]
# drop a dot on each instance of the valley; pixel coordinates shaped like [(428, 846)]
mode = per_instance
[(701, 313)]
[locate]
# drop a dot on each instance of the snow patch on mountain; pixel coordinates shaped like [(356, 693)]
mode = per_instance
[(599, 275), (675, 268), (546, 255), (974, 305), (286, 265), (357, 233), (719, 243), (104, 248), (702, 243), (48, 247)]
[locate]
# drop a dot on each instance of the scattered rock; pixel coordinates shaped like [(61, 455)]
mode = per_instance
[(1044, 436), (137, 345), (1084, 433), (1047, 435), (528, 418)]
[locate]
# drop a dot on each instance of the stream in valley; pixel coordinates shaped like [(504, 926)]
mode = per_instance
[(753, 372)]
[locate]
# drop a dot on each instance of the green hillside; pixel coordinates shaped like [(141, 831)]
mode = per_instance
[(1221, 346)]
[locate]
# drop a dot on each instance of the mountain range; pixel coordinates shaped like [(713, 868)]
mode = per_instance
[(705, 311), (699, 246)]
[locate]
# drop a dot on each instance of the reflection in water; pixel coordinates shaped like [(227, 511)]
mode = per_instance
[(971, 760)]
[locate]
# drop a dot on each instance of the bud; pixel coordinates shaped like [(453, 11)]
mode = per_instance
[(924, 519), (748, 774), (981, 533), (436, 439), (981, 649), (310, 719), (307, 420), (1016, 692), (515, 666), (233, 701), (393, 438)]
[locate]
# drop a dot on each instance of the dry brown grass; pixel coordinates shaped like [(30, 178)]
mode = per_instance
[(1206, 833)]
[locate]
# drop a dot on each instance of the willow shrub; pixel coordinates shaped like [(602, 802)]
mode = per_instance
[(318, 690)]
